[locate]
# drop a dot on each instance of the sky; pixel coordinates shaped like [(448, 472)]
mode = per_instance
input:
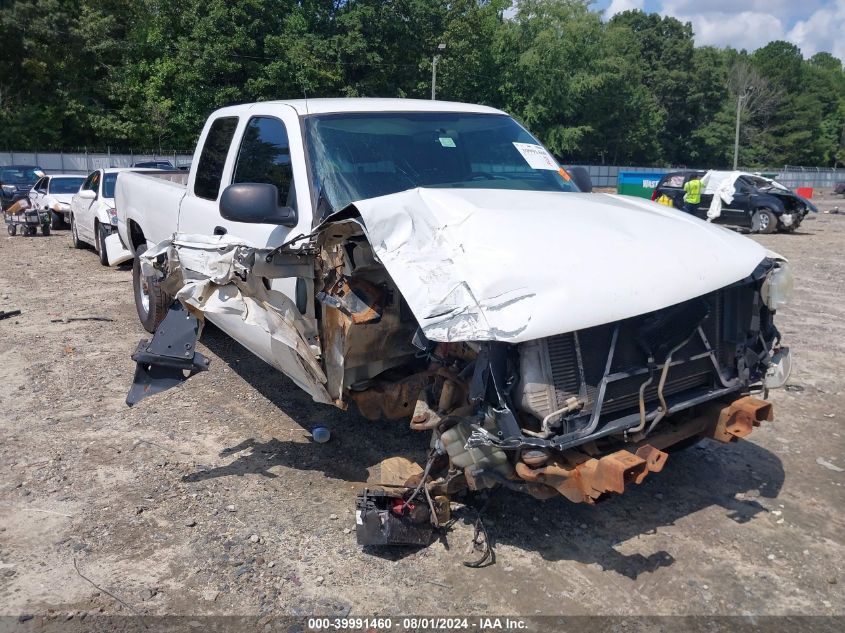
[(814, 25)]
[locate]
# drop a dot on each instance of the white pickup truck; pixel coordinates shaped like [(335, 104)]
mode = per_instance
[(432, 261)]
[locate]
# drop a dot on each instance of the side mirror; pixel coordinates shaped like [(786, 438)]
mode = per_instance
[(256, 203), (582, 178), (87, 194)]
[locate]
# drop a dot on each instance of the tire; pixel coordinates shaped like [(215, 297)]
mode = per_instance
[(57, 221), (151, 305), (74, 236), (764, 221), (45, 230), (100, 235), (12, 229)]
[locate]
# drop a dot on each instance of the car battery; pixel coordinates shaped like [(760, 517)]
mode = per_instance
[(384, 519)]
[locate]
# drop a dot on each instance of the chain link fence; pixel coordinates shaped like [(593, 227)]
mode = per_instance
[(815, 177)]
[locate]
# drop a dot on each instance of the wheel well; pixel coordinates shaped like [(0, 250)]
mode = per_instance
[(136, 236)]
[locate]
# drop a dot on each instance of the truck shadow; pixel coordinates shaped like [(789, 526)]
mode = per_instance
[(738, 477), (348, 453)]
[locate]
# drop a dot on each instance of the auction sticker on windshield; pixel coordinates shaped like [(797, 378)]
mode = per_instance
[(536, 156)]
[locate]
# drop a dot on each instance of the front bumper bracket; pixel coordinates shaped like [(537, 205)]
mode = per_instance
[(162, 362)]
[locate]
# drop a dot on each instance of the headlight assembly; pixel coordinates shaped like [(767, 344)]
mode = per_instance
[(777, 287)]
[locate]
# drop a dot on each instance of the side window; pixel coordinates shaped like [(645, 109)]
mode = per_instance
[(41, 186), (95, 182), (213, 157), (89, 180), (264, 156)]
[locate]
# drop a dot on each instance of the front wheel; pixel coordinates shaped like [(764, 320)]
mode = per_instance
[(100, 237), (56, 220), (764, 221), (151, 302), (45, 230)]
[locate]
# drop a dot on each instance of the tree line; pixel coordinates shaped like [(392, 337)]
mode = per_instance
[(630, 90)]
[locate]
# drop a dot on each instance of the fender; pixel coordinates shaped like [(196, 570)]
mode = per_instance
[(759, 200)]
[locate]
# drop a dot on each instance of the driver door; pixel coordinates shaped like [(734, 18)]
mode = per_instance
[(737, 213), (261, 145)]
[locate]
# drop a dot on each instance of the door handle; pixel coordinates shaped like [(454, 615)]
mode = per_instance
[(219, 230)]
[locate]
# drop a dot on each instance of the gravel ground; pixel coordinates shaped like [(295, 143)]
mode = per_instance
[(211, 498)]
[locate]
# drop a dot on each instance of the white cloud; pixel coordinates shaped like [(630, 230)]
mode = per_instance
[(745, 29), (813, 25), (618, 6), (822, 31), (750, 24)]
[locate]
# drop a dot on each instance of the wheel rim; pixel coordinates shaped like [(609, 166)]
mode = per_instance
[(73, 228), (764, 221), (144, 294)]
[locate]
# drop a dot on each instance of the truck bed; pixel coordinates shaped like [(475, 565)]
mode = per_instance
[(151, 200)]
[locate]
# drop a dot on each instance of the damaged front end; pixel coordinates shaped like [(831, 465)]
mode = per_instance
[(581, 412)]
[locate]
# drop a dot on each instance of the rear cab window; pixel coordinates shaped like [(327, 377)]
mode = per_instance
[(213, 157)]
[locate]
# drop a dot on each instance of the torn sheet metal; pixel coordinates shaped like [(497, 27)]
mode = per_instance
[(214, 275), (499, 265)]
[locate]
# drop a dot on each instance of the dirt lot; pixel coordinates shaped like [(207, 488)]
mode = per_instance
[(211, 498)]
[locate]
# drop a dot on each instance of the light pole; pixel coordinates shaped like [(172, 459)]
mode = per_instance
[(739, 101), (434, 61)]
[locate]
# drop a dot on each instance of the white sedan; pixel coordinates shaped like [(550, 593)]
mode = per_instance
[(53, 193), (93, 218)]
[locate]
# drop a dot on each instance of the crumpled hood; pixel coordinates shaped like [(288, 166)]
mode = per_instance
[(485, 264)]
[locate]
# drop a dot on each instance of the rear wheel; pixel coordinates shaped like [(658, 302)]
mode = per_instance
[(100, 237), (12, 229), (74, 236), (764, 221), (151, 302)]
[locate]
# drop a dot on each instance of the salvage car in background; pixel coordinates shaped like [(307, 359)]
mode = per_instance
[(54, 193), (16, 181), (155, 164), (431, 261), (93, 218), (751, 202)]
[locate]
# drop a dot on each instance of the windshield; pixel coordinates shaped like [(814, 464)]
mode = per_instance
[(357, 156), (19, 175), (108, 185), (65, 185)]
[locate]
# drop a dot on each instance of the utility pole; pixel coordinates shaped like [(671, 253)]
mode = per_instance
[(434, 61), (739, 101)]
